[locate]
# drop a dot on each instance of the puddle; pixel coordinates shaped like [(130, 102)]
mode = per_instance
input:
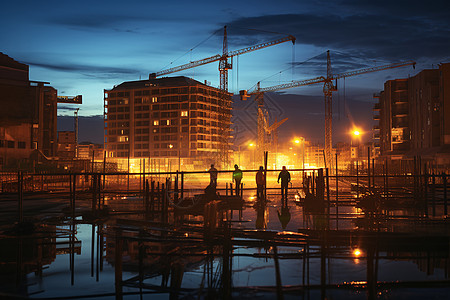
[(275, 251)]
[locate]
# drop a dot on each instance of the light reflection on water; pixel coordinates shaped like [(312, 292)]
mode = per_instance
[(251, 266)]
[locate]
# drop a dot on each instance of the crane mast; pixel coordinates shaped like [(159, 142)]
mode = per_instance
[(328, 89), (224, 65)]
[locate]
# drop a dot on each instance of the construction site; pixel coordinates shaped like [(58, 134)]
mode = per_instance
[(174, 210)]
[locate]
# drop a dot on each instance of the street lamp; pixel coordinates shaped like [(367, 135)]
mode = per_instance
[(251, 145), (168, 159), (356, 133), (302, 140)]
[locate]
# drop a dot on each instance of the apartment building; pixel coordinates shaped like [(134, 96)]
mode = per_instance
[(412, 115), (27, 114), (167, 118)]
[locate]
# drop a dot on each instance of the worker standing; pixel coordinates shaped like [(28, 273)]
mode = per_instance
[(213, 176), (285, 178), (260, 183), (237, 177)]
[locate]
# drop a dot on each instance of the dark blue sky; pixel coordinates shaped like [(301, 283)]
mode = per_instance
[(84, 47)]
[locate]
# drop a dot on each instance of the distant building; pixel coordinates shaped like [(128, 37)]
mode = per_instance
[(89, 151), (27, 114), (413, 116), (66, 144), (174, 118)]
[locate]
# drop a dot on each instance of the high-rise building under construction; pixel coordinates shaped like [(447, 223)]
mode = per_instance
[(175, 118)]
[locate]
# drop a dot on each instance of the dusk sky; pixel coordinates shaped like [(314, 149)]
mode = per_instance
[(83, 47)]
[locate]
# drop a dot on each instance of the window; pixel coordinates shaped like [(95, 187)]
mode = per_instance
[(154, 99), (10, 144), (184, 113), (123, 138), (155, 122)]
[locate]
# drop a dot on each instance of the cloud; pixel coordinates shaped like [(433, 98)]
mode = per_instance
[(364, 34), (87, 70)]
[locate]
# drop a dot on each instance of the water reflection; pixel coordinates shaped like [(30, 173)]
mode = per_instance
[(137, 255)]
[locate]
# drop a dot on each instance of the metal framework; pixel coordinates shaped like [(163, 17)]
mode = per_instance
[(328, 89), (225, 64)]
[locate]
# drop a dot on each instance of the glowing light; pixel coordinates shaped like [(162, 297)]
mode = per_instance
[(297, 141), (356, 132), (170, 146), (251, 144), (357, 252)]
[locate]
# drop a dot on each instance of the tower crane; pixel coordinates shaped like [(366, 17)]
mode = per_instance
[(223, 59), (328, 89), (225, 64)]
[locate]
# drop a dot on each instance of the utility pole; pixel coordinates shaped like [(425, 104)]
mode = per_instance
[(76, 131), (328, 89)]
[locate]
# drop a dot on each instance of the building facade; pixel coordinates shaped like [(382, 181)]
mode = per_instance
[(27, 114), (66, 144), (168, 118), (413, 116)]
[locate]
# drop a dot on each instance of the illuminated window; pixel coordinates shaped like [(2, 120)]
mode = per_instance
[(184, 113), (156, 123), (123, 138), (154, 99)]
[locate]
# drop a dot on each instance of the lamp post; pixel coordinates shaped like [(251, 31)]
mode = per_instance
[(356, 133), (354, 150), (168, 159), (302, 140), (251, 145), (179, 153)]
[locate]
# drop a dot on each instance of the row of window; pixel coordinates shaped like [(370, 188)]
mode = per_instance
[(166, 91), (165, 130), (166, 145), (164, 153), (210, 105), (12, 144)]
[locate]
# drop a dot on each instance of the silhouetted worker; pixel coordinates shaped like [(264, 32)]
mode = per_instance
[(210, 192), (285, 178), (260, 183), (237, 177), (213, 176)]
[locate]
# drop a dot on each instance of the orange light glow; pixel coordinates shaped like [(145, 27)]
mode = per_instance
[(356, 132), (357, 252)]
